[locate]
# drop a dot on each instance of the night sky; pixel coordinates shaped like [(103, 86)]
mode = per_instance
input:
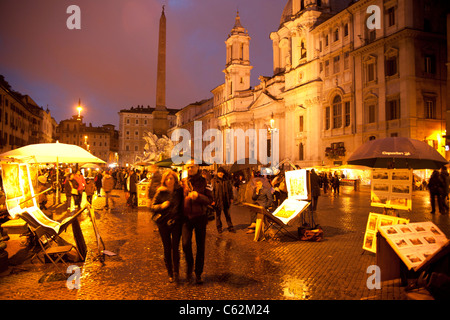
[(110, 63)]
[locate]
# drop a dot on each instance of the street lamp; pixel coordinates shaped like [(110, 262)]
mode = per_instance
[(79, 108)]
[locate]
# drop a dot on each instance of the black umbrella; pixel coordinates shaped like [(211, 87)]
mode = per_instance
[(397, 152), (244, 164)]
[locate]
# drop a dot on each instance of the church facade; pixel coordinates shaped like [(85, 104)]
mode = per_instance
[(336, 82)]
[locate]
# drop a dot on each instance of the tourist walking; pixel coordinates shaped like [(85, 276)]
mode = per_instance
[(90, 190), (98, 183), (131, 188), (222, 199), (167, 212), (196, 199), (108, 185), (81, 183), (335, 183)]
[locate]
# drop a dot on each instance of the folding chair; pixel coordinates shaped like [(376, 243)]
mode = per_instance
[(270, 221), (46, 232)]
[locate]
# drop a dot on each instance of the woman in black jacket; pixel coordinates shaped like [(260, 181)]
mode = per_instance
[(167, 210)]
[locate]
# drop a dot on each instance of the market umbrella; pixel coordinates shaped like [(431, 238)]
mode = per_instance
[(51, 153), (243, 164), (397, 152)]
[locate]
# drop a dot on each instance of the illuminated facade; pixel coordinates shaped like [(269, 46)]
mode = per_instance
[(336, 83)]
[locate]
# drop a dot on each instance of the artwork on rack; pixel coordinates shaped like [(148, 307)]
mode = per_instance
[(375, 221), (290, 209), (18, 183), (392, 188), (297, 184), (414, 243)]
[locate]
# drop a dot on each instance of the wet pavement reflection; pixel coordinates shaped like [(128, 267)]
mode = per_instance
[(236, 267)]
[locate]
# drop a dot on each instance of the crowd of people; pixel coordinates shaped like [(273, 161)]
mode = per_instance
[(179, 207)]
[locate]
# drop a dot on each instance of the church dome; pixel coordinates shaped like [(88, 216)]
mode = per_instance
[(287, 13)]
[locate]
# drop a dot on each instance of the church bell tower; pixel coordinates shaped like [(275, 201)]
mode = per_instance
[(237, 70)]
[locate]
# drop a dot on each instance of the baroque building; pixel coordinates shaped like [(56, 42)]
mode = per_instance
[(337, 81)]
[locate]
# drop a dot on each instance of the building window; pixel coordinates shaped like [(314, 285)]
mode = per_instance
[(430, 107), (136, 148), (430, 64), (327, 68), (370, 72), (327, 118), (337, 112), (391, 66), (371, 114), (300, 127), (301, 152), (346, 30), (347, 113), (336, 34), (303, 50), (392, 109), (391, 16)]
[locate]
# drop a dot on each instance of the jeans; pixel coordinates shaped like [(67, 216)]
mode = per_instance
[(197, 225), (170, 236)]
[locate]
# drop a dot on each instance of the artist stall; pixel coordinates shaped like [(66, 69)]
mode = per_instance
[(19, 169), (292, 211)]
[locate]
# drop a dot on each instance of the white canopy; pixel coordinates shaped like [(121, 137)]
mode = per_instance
[(51, 153)]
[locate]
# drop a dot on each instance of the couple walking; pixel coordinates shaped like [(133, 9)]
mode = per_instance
[(179, 210)]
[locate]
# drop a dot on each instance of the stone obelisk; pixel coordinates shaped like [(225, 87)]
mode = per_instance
[(160, 121)]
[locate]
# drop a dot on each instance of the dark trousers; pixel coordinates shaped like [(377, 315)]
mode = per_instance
[(438, 197), (197, 225), (226, 213), (170, 236)]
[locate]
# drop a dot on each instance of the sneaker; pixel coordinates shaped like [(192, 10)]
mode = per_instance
[(231, 229), (219, 230), (251, 231)]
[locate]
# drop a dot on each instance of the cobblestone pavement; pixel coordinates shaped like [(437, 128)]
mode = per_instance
[(236, 267)]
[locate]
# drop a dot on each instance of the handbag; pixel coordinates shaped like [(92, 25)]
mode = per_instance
[(310, 234), (73, 191)]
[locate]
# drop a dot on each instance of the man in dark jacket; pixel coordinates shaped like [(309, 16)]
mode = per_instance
[(222, 199), (196, 199)]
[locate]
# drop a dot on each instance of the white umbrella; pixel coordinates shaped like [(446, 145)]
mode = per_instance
[(52, 153)]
